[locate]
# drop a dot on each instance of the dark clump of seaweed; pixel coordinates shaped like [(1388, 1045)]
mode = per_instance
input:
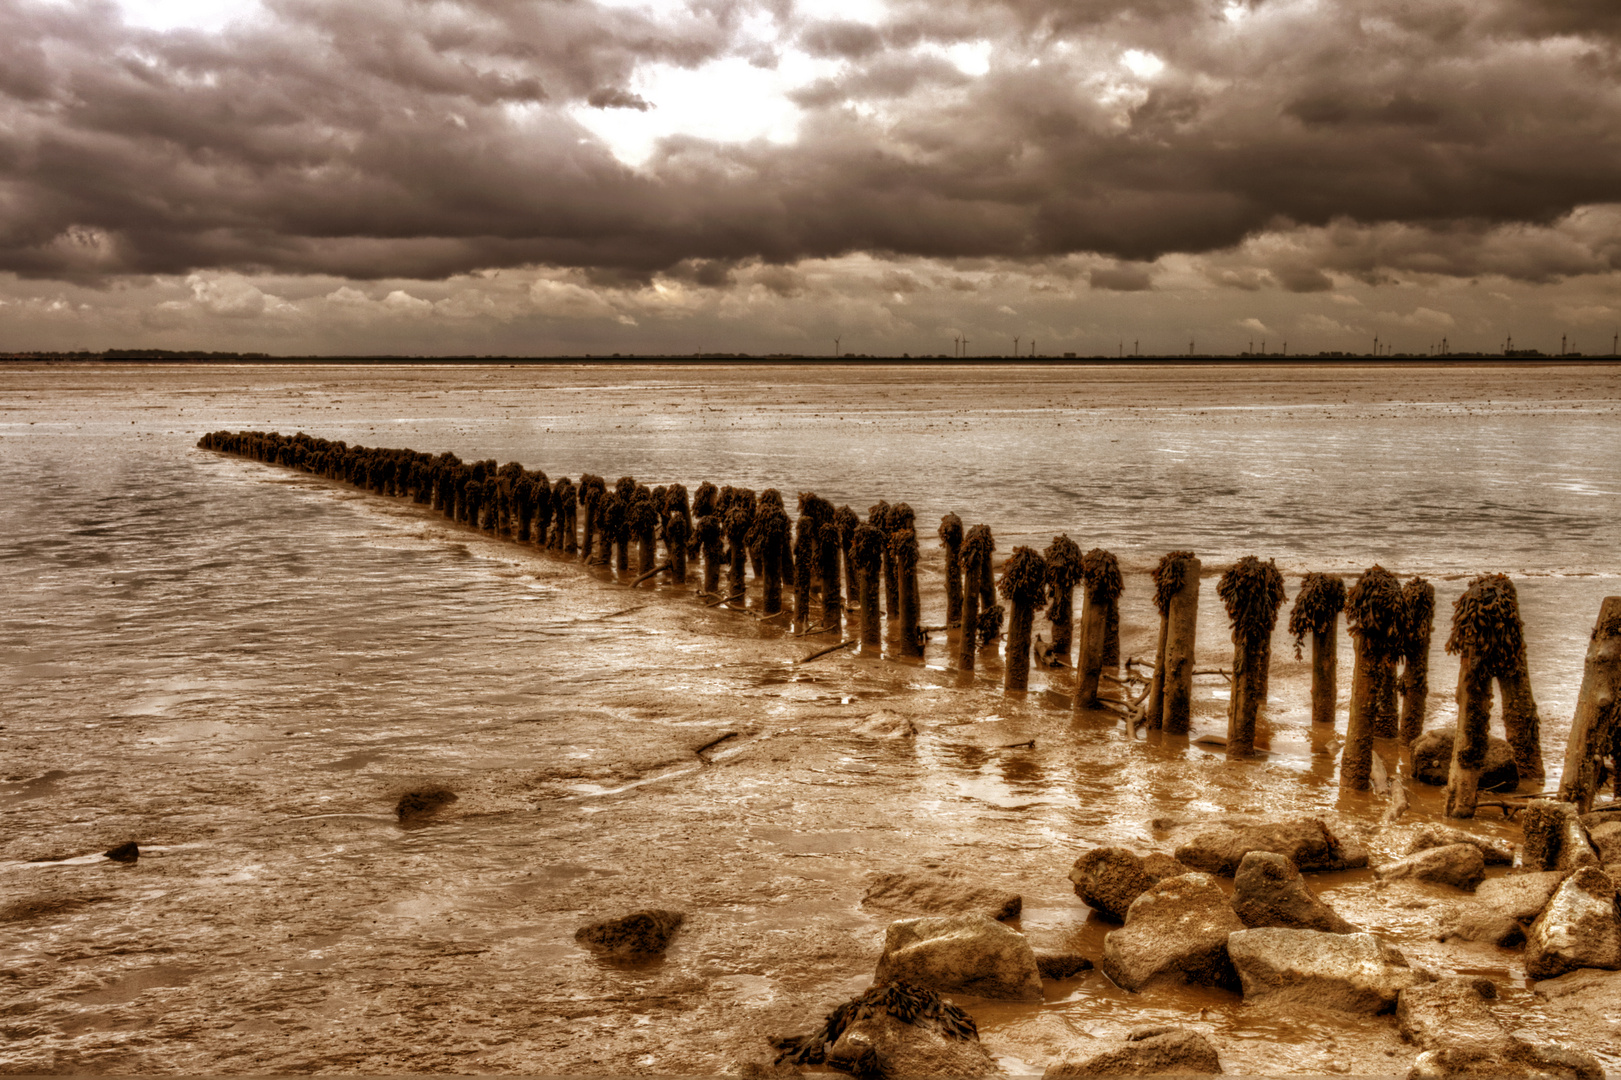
[(1064, 563), (1252, 591), (901, 518), (1418, 615), (867, 547), (904, 1001), (1024, 578), (951, 530), (1317, 605), (846, 521), (703, 500), (625, 487), (977, 548), (989, 624), (675, 500), (903, 545), (1101, 572), (1373, 610), (816, 508), (1167, 578), (1486, 623)]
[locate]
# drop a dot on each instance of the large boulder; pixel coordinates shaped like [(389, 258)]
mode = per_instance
[(1578, 929), (1432, 761), (946, 892), (965, 954), (639, 934), (1605, 834), (1460, 865), (1175, 932), (1108, 879), (1354, 973), (1268, 890), (1306, 842), (1150, 1051), (1495, 852), (893, 1030), (1451, 1023)]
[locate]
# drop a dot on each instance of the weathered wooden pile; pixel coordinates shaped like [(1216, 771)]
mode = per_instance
[(836, 564)]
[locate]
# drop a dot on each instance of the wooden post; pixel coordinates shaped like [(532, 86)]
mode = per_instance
[(1597, 720), (951, 540), (867, 546), (1063, 558), (1418, 624), (1252, 592), (643, 520), (805, 566), (1100, 572), (1470, 743), (1317, 612), (1373, 613), (832, 602), (1024, 579), (772, 529), (709, 543), (738, 519), (676, 532), (878, 516), (1486, 619), (846, 521), (903, 548), (1176, 594), (977, 547)]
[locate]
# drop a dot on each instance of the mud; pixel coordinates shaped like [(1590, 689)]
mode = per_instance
[(244, 670)]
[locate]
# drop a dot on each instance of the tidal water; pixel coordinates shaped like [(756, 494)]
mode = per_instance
[(242, 667)]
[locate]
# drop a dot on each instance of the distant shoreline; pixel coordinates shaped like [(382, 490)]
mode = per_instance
[(157, 358)]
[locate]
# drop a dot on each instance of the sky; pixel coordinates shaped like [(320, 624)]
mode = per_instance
[(929, 177)]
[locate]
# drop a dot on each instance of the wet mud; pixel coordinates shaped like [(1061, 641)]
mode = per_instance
[(253, 673)]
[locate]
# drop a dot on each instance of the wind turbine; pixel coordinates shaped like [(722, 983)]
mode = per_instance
[(835, 346), (1015, 345)]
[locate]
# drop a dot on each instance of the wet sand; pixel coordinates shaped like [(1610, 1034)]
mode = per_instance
[(243, 668)]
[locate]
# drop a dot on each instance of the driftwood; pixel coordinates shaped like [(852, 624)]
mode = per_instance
[(659, 569), (726, 599), (830, 649)]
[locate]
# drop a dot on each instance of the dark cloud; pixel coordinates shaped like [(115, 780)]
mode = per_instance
[(395, 138), (1122, 279)]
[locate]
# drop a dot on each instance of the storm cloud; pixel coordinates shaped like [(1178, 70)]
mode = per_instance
[(395, 139)]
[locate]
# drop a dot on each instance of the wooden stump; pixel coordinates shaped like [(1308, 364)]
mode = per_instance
[(1469, 746), (1598, 718), (1324, 675), (951, 541), (1024, 579)]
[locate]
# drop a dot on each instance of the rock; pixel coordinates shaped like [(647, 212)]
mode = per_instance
[(968, 954), (1155, 1051), (415, 806), (884, 724), (1108, 879), (642, 933), (1175, 932), (1471, 922), (1520, 896), (1554, 837), (1306, 842), (942, 892), (1269, 891), (1460, 865), (1512, 1059), (1578, 929), (1495, 852), (1432, 761), (1354, 973), (1450, 1021), (1061, 965), (1449, 1010), (893, 1030), (1606, 837), (125, 852)]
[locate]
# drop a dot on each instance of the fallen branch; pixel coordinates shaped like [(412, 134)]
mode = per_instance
[(726, 599), (656, 570), (1028, 743), (712, 743), (830, 649)]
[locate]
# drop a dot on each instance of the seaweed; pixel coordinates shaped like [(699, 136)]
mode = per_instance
[(1373, 611), (1063, 559), (1101, 572), (977, 548), (1418, 616), (1317, 606), (951, 530), (989, 624), (1252, 591), (1024, 578), (1167, 578), (906, 1002), (703, 500), (1486, 624)]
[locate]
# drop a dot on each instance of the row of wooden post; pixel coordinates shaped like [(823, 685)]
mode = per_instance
[(1390, 624)]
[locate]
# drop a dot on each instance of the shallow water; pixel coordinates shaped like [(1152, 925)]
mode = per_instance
[(243, 668)]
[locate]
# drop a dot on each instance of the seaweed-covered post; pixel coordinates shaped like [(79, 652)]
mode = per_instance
[(1252, 592), (676, 531), (832, 603), (772, 530), (709, 542), (615, 549), (878, 517), (1489, 639), (1024, 579), (643, 521), (1176, 595), (805, 566), (846, 521), (1418, 624), (1597, 722), (977, 547), (1317, 612), (867, 548), (1373, 615), (566, 511), (903, 546), (1521, 724), (739, 520), (1063, 558), (543, 509), (592, 488), (951, 540), (1100, 571)]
